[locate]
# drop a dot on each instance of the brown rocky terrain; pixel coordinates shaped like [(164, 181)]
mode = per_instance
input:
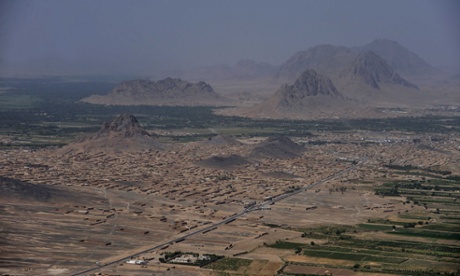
[(280, 175), (123, 133), (398, 57), (277, 147), (323, 58), (373, 70), (14, 188), (378, 76), (168, 91), (350, 83), (129, 203), (312, 94), (221, 140), (224, 162), (329, 59)]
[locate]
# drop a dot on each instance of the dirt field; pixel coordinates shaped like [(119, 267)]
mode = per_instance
[(299, 269), (109, 207)]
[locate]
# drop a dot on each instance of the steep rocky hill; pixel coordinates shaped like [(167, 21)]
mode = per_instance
[(14, 188), (223, 162), (123, 133), (277, 147), (308, 86), (334, 81), (125, 125), (373, 70), (168, 91), (398, 57), (323, 58), (329, 59), (309, 83), (311, 95)]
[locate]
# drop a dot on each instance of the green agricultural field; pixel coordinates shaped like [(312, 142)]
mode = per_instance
[(357, 257), (374, 227), (427, 234), (10, 101), (232, 264), (54, 103)]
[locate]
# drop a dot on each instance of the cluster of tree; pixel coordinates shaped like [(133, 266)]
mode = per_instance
[(208, 258), (341, 189)]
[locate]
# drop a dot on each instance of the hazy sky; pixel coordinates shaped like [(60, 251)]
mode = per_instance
[(140, 37)]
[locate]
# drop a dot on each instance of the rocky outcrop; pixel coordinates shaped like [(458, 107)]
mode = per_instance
[(323, 58), (125, 125), (310, 94), (223, 162), (310, 83), (121, 134), (166, 88), (398, 57), (328, 59), (277, 147), (169, 91), (14, 188), (374, 70)]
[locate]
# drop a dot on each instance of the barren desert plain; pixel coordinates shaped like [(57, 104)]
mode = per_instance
[(181, 191)]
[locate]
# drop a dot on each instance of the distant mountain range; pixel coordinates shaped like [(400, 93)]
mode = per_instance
[(399, 58), (323, 58), (373, 70), (329, 59), (169, 91), (311, 94), (327, 81), (322, 81)]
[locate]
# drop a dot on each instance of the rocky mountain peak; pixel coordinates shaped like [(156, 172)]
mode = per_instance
[(321, 57), (170, 83), (398, 57), (168, 91), (121, 134), (205, 87), (126, 125), (310, 83), (175, 88), (373, 70), (278, 147)]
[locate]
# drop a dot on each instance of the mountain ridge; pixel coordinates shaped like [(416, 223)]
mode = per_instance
[(399, 57), (168, 91), (372, 69)]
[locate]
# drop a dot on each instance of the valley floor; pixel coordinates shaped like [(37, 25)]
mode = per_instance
[(395, 213)]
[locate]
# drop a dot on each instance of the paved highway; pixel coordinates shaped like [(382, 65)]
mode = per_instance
[(229, 219)]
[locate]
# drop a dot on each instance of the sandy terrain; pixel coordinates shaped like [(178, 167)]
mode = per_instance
[(113, 205)]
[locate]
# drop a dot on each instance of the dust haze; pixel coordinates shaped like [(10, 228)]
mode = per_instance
[(229, 137), (146, 38)]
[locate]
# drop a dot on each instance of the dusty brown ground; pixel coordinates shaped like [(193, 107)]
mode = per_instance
[(116, 205)]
